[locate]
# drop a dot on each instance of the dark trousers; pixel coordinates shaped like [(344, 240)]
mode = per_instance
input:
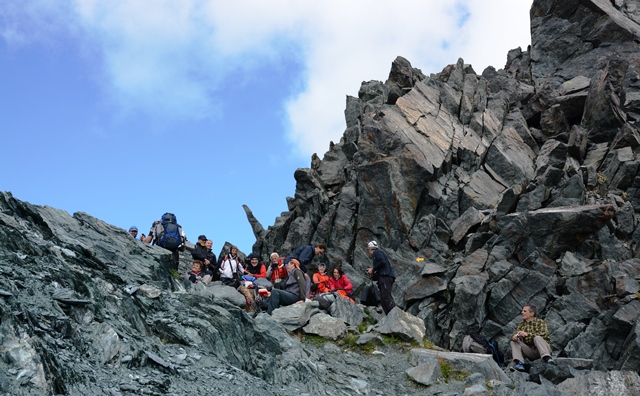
[(385, 284), (281, 298), (176, 259)]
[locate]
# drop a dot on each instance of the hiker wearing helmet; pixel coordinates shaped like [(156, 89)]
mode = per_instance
[(383, 273)]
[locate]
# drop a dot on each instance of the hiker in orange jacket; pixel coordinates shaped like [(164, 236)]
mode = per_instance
[(320, 280)]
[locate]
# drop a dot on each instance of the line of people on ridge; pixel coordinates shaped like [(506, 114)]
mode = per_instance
[(290, 283), (287, 280), (294, 279)]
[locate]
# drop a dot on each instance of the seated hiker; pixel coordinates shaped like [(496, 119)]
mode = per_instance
[(320, 280), (340, 283), (198, 274), (255, 267), (531, 339), (210, 256), (133, 231), (294, 291), (277, 271), (199, 251), (230, 268)]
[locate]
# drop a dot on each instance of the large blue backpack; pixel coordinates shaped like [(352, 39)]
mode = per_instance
[(170, 237)]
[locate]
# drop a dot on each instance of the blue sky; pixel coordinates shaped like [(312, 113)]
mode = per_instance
[(129, 109)]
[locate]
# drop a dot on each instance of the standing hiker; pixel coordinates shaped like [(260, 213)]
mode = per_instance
[(383, 273)]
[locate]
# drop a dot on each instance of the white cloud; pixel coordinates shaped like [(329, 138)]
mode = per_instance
[(171, 57)]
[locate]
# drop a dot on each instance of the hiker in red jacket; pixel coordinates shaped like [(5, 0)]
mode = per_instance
[(340, 283), (277, 271)]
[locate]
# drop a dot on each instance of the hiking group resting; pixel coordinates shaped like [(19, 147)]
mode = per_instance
[(298, 278), (284, 281)]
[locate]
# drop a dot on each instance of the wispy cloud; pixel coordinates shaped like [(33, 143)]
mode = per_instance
[(173, 57)]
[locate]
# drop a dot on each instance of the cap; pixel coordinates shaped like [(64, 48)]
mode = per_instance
[(253, 255), (133, 228), (202, 237), (372, 245)]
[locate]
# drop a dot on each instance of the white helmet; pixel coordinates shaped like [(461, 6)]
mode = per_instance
[(372, 245)]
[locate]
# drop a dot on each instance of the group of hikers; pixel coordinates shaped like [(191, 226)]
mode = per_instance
[(283, 281), (297, 278)]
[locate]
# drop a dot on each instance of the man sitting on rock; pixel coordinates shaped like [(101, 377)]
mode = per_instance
[(531, 339), (295, 289), (277, 271)]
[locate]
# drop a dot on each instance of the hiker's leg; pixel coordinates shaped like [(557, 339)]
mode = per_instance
[(529, 352), (274, 300), (516, 351), (542, 346), (287, 298), (176, 259), (385, 284)]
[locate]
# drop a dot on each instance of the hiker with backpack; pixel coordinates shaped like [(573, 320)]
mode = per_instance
[(231, 269), (383, 273), (531, 339), (167, 233)]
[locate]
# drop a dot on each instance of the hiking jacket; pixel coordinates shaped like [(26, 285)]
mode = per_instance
[(381, 265), (194, 277), (341, 283), (535, 327), (322, 280), (258, 271), (199, 252), (229, 265), (304, 255), (297, 284), (277, 274), (213, 262)]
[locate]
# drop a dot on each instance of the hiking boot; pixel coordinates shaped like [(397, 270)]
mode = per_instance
[(519, 367), (549, 360)]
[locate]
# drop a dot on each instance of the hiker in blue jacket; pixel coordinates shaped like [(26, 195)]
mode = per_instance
[(304, 254), (383, 273)]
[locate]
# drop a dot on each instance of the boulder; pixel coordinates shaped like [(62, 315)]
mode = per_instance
[(401, 324)]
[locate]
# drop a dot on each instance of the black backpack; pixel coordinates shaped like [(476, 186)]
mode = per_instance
[(370, 295), (490, 348), (170, 237)]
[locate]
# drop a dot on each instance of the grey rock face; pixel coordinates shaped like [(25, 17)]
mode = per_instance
[(520, 184), (487, 191)]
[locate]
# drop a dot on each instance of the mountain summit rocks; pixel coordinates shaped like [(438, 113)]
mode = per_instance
[(505, 179), (488, 191)]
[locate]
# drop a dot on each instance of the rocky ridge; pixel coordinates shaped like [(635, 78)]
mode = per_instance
[(488, 192), (491, 191)]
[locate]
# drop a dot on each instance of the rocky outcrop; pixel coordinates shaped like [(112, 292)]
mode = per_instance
[(493, 190), (488, 191)]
